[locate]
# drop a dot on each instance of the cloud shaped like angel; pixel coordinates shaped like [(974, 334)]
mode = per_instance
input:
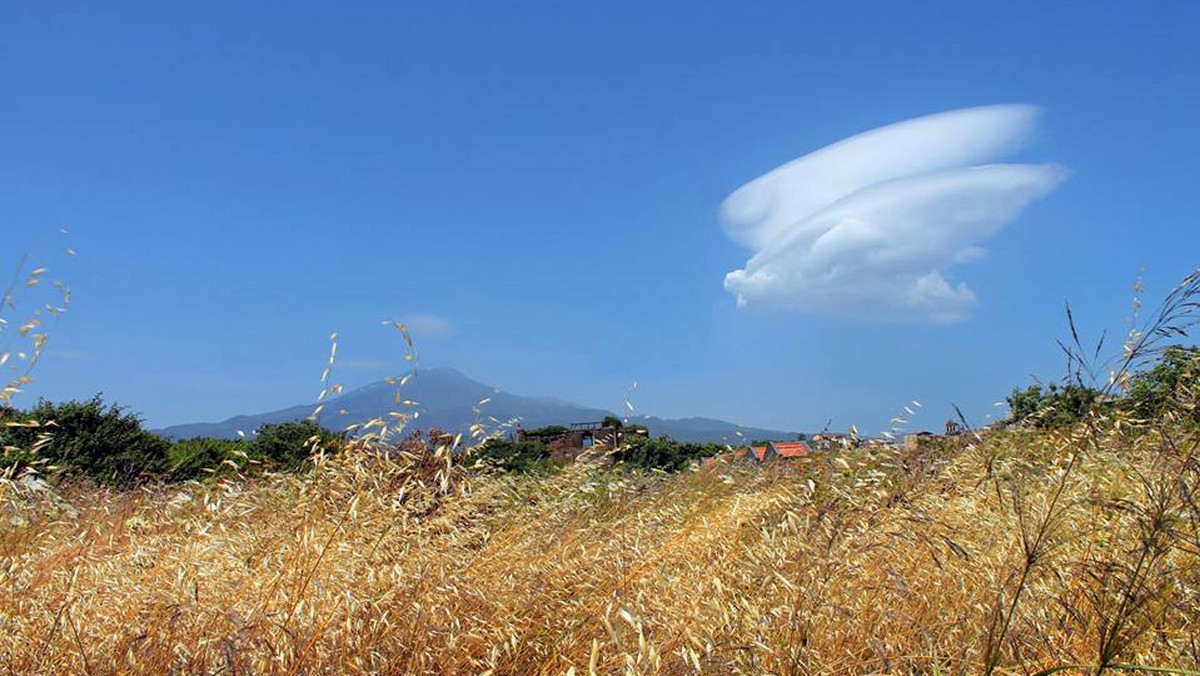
[(867, 226)]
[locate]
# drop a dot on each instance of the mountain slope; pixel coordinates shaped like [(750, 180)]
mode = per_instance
[(446, 399)]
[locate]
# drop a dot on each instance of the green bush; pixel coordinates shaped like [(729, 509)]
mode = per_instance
[(87, 438), (1169, 385), (204, 457), (108, 444), (16, 445), (1053, 406), (664, 453), (527, 455), (288, 445), (544, 434)]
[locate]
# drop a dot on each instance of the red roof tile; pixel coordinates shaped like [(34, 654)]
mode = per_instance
[(791, 449), (760, 452)]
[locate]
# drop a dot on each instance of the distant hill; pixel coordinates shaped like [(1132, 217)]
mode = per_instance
[(446, 398)]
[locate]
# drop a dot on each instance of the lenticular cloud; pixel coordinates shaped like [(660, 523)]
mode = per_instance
[(869, 225)]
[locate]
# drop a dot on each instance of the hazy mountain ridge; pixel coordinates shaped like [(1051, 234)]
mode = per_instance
[(446, 399)]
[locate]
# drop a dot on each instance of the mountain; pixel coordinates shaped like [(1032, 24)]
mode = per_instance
[(446, 399)]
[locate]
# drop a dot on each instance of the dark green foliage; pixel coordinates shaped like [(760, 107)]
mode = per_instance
[(612, 421), (664, 453), (288, 445), (108, 444), (1170, 384), (527, 455), (1024, 404), (544, 434), (282, 446), (87, 438), (16, 443), (204, 457), (1053, 406)]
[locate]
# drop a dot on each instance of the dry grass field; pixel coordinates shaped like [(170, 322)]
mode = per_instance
[(1022, 551), (1028, 550)]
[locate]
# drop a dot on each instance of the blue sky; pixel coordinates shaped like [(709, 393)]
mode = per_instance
[(240, 181)]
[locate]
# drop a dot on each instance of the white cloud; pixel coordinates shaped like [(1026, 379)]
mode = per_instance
[(868, 226)]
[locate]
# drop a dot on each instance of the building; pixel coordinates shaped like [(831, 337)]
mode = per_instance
[(783, 450), (566, 444), (788, 449)]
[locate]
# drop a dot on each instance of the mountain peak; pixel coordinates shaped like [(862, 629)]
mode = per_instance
[(447, 399)]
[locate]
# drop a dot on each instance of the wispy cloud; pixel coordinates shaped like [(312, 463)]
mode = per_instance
[(870, 225), (428, 326)]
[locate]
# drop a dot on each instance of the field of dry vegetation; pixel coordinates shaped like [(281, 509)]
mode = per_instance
[(1018, 552), (1027, 550)]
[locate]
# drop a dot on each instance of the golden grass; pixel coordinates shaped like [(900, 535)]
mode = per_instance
[(1021, 552), (956, 558)]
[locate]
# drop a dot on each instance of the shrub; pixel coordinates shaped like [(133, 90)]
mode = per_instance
[(663, 453), (88, 438), (527, 455), (204, 457), (288, 445), (1168, 385), (1054, 406), (545, 434)]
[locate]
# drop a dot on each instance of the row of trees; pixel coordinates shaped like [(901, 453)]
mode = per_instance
[(532, 454), (108, 444)]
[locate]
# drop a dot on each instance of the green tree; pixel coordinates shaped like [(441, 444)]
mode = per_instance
[(1170, 384), (289, 445), (88, 438), (527, 455), (1024, 404), (1052, 406), (663, 453)]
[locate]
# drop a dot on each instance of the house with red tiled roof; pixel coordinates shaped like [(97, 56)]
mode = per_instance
[(778, 449), (789, 449)]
